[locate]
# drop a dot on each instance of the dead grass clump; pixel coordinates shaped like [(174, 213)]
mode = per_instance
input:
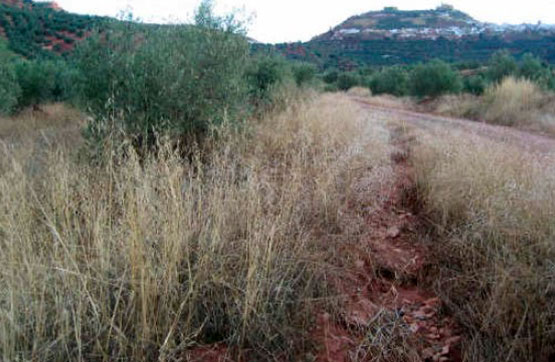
[(360, 92), (510, 102), (456, 105), (514, 102), (143, 259), (389, 101), (493, 206)]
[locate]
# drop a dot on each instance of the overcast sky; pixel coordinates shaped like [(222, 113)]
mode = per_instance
[(292, 20)]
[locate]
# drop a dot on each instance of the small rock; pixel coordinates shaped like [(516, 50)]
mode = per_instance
[(360, 264), (414, 328), (393, 232)]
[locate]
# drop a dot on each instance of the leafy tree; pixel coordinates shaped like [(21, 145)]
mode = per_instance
[(264, 74), (347, 80), (178, 80), (531, 67), (434, 79), (304, 73), (9, 88), (391, 80), (37, 80), (475, 84), (502, 64), (330, 77)]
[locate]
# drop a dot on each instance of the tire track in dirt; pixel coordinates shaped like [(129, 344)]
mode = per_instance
[(387, 313)]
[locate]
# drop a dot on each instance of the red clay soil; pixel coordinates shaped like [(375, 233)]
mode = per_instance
[(385, 279)]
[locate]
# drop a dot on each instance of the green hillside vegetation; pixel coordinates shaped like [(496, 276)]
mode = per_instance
[(36, 30), (435, 78), (350, 54)]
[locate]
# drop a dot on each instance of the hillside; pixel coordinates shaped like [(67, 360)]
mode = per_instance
[(393, 36), (385, 37), (442, 22), (42, 29)]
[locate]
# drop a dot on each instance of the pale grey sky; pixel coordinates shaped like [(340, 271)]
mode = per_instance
[(291, 20)]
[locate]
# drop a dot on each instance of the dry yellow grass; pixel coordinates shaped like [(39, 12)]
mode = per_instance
[(360, 92), (143, 259), (511, 101), (389, 101), (30, 123), (514, 102), (493, 206)]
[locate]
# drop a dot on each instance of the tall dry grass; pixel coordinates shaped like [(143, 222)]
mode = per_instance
[(511, 101), (493, 206), (514, 102), (146, 258)]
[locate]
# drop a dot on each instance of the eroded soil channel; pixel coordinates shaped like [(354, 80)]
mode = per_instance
[(387, 311)]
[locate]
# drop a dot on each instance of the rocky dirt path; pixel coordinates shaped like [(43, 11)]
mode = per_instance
[(386, 309), (388, 313)]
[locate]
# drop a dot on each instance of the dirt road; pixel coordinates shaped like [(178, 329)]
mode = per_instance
[(434, 123)]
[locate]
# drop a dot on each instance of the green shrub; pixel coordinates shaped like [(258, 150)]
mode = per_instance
[(531, 68), (347, 80), (501, 65), (330, 77), (392, 80), (9, 88), (434, 79), (37, 81), (178, 80), (475, 84), (263, 75), (550, 79), (304, 73)]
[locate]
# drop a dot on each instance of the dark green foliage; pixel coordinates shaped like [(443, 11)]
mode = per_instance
[(9, 88), (304, 73), (27, 28), (347, 80), (502, 64), (434, 79), (330, 76), (36, 80), (177, 80), (475, 84), (44, 81), (345, 55), (550, 79), (531, 67), (392, 80), (263, 74)]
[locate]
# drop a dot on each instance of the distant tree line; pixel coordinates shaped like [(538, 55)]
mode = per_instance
[(437, 77)]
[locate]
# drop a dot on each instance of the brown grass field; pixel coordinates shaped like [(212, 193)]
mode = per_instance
[(253, 249)]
